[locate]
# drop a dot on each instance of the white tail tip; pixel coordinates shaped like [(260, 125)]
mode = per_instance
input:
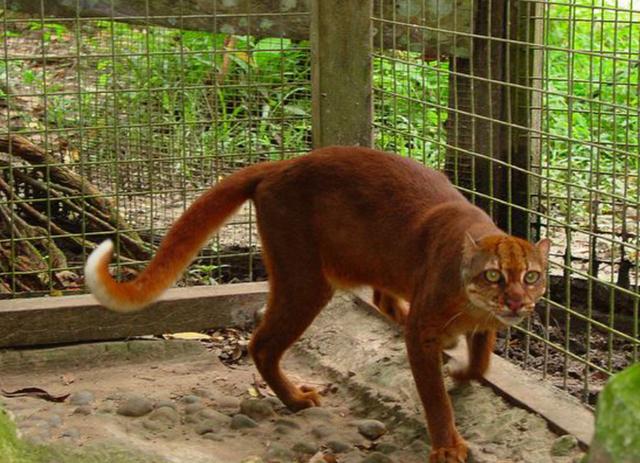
[(92, 273)]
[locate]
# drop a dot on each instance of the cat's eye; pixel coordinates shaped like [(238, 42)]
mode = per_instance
[(531, 277), (492, 276)]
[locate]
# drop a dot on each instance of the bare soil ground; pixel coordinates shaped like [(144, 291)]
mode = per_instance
[(187, 402)]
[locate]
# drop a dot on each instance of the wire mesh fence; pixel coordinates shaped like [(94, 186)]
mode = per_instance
[(113, 119), (560, 88), (144, 112)]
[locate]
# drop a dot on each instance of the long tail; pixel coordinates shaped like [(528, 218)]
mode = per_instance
[(178, 248)]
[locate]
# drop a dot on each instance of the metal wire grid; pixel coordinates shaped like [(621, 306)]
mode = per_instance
[(570, 98), (151, 116), (135, 116)]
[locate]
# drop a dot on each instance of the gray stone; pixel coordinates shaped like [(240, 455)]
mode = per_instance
[(279, 454), (81, 398), (215, 415), (564, 445), (371, 429), (71, 433), (286, 422), (377, 457), (207, 426), (338, 446), (166, 403), (227, 405), (155, 426), (316, 412), (190, 419), (241, 421), (193, 408), (190, 399), (83, 410), (165, 415), (275, 403), (212, 436), (304, 448), (54, 421), (106, 409), (135, 406), (321, 431), (256, 408)]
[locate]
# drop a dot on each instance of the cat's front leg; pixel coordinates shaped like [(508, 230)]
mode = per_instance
[(479, 346), (424, 348)]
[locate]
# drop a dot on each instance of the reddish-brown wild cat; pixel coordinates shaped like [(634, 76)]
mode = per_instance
[(344, 216)]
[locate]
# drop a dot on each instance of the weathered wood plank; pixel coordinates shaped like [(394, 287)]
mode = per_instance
[(56, 320), (275, 18), (341, 73)]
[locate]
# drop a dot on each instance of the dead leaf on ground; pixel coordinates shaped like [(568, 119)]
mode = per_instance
[(190, 336), (34, 392)]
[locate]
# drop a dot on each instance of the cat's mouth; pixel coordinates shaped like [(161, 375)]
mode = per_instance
[(509, 318), (512, 317)]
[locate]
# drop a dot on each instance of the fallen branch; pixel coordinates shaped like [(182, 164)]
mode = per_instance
[(51, 214)]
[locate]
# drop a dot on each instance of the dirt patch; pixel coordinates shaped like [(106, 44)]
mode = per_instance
[(177, 401), (187, 409)]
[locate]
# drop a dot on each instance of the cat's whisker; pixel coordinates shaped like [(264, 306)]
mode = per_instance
[(451, 320), (475, 329)]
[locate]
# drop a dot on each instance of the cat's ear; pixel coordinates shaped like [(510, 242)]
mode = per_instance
[(543, 247), (469, 247)]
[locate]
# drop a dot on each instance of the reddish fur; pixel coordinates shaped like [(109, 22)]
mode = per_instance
[(351, 216)]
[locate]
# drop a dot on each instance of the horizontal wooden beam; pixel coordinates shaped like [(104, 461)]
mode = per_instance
[(57, 320), (418, 25)]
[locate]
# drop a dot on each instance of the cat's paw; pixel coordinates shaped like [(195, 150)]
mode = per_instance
[(464, 375), (456, 454), (305, 397)]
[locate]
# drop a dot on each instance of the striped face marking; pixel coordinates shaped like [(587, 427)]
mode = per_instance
[(505, 276)]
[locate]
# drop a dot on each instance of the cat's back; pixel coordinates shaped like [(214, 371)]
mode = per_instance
[(361, 169)]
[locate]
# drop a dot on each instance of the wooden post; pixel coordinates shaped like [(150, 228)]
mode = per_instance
[(341, 44), (477, 105), (489, 118)]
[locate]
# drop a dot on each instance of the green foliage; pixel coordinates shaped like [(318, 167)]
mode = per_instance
[(14, 450), (411, 106), (592, 99), (617, 436), (183, 96), (49, 30), (202, 92)]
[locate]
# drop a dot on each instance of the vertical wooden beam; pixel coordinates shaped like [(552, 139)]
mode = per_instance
[(535, 61), (489, 118), (341, 42), (477, 107)]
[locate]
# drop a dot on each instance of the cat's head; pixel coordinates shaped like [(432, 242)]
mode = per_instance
[(504, 275)]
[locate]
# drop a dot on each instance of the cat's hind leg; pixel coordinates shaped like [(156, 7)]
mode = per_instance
[(290, 310), (298, 290)]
